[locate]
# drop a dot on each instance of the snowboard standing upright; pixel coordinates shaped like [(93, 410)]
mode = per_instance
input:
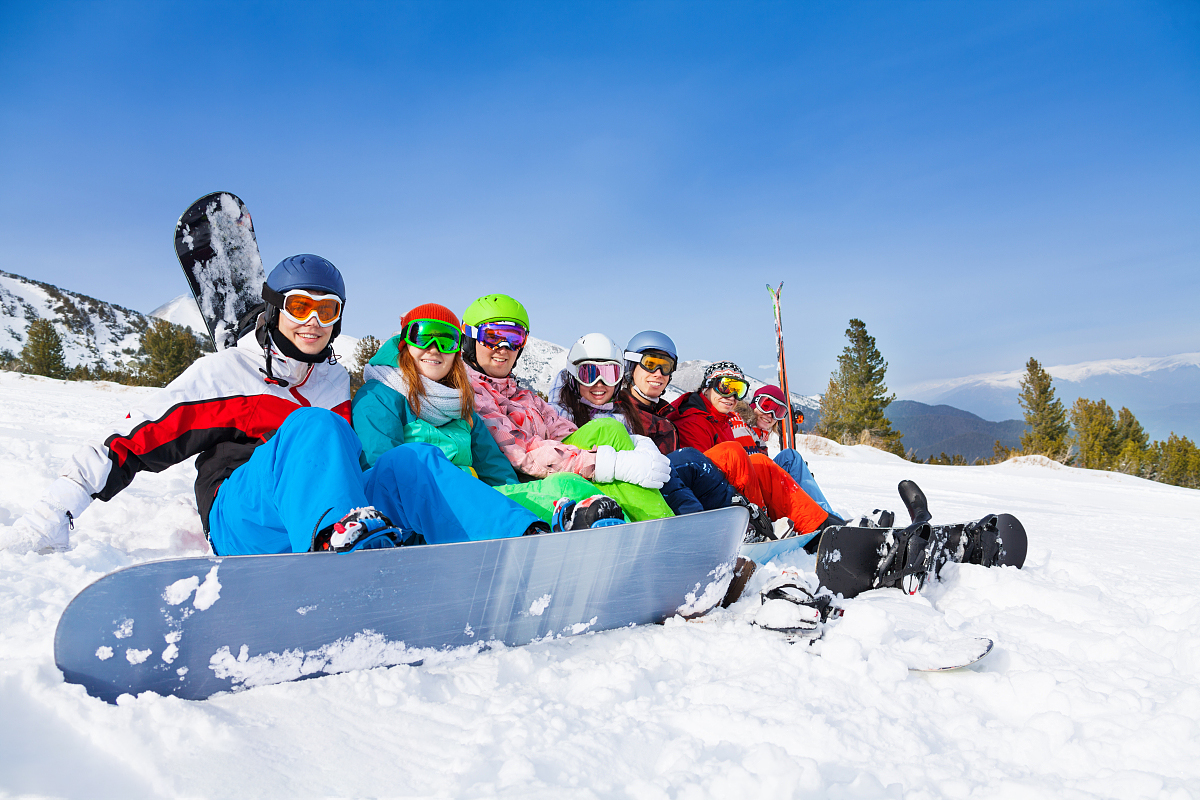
[(215, 244)]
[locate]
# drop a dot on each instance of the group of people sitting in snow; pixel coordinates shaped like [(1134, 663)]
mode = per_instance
[(441, 444)]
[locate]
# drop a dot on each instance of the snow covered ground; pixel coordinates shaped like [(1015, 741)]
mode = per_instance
[(1093, 689)]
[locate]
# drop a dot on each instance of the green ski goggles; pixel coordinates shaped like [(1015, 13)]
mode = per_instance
[(425, 333)]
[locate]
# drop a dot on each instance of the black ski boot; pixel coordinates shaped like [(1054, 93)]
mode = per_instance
[(759, 529)]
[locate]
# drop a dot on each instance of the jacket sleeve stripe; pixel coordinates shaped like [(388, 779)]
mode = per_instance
[(254, 417)]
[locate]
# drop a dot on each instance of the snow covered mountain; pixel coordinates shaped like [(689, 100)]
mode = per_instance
[(91, 330), (1161, 392)]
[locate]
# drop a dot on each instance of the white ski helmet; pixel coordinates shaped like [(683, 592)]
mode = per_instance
[(595, 347)]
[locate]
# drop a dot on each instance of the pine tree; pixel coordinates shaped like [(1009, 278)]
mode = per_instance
[(1095, 433), (1044, 415), (832, 414), (854, 403), (366, 349), (168, 349), (43, 351), (1131, 445)]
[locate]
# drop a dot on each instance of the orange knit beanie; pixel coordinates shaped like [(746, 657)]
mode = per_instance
[(430, 311)]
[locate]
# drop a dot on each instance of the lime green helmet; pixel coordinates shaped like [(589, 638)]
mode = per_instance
[(494, 308)]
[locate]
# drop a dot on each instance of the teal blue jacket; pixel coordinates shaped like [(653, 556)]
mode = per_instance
[(380, 414)]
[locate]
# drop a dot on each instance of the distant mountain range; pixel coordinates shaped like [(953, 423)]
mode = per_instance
[(933, 430), (1163, 393)]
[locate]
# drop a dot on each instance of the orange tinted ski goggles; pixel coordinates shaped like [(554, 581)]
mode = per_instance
[(300, 307), (729, 387)]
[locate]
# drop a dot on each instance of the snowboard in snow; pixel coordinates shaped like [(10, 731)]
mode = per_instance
[(849, 558), (193, 627), (915, 632), (762, 552), (903, 627), (215, 244)]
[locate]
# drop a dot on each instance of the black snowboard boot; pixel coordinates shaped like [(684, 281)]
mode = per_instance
[(596, 511), (759, 529), (536, 527), (914, 501)]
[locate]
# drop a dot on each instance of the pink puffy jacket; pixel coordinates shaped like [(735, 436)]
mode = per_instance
[(528, 430)]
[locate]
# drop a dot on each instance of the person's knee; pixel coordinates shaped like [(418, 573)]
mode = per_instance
[(405, 458), (314, 422)]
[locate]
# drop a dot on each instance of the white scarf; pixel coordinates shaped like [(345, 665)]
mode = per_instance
[(441, 404)]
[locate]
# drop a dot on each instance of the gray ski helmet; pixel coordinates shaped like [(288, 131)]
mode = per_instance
[(652, 340), (306, 271)]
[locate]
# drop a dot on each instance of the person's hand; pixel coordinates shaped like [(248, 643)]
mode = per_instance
[(47, 527), (645, 467)]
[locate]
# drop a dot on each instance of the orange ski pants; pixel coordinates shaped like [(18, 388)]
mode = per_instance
[(766, 484)]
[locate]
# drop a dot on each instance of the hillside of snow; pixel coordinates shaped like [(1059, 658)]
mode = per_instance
[(91, 330), (1091, 691)]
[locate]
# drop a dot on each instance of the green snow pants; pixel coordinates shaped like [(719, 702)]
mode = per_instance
[(638, 502)]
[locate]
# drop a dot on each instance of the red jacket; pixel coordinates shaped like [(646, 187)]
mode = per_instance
[(698, 424)]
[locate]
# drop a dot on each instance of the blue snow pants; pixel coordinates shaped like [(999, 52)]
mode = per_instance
[(793, 464), (696, 483), (307, 477)]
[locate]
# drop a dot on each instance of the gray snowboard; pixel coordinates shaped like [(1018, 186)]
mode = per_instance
[(193, 627)]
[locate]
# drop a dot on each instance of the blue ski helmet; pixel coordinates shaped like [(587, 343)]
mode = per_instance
[(652, 340), (307, 271)]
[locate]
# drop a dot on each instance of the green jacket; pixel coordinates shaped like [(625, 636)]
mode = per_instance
[(383, 419)]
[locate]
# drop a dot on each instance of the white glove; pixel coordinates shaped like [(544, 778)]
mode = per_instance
[(641, 466), (47, 526), (642, 442)]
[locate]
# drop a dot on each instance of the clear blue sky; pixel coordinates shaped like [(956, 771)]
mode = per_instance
[(979, 182)]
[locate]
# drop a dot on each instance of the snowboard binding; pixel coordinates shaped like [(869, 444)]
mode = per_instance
[(789, 607), (910, 556), (362, 529)]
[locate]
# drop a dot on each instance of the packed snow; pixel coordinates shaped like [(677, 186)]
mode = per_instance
[(1091, 689)]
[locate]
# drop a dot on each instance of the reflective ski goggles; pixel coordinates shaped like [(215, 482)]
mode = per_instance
[(648, 362), (498, 334), (726, 387), (589, 373), (425, 333), (769, 405), (300, 307)]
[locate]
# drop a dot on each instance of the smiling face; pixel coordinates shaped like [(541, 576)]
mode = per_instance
[(309, 338), (650, 384), (431, 362), (765, 419), (496, 363), (722, 403), (597, 395)]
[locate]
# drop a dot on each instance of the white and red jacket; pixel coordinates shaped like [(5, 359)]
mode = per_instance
[(221, 408)]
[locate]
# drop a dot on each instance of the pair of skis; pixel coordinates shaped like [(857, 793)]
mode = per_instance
[(788, 432)]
